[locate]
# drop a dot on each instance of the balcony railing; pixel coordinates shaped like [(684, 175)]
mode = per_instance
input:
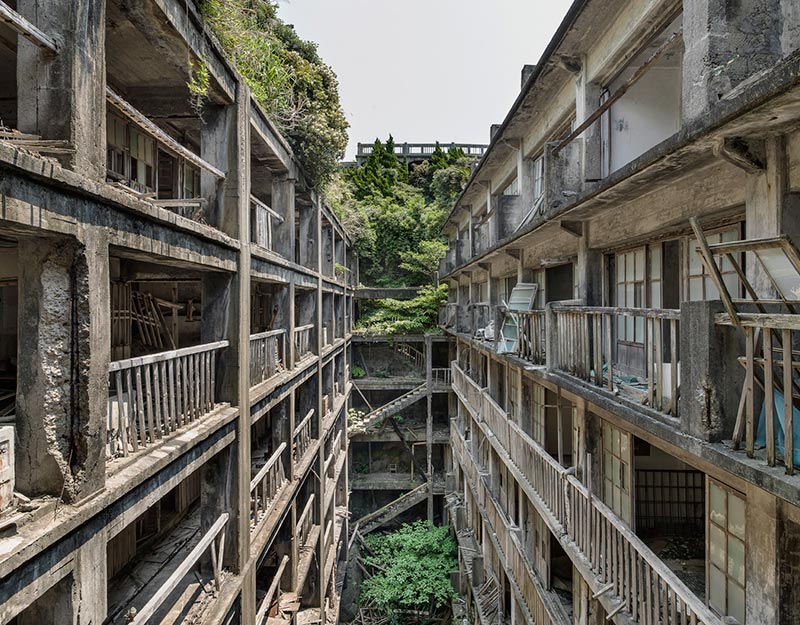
[(302, 341), (267, 355), (213, 540), (262, 614), (301, 438), (154, 395), (266, 485), (771, 366), (630, 349), (263, 220), (644, 586), (305, 522), (336, 448), (531, 335), (442, 375)]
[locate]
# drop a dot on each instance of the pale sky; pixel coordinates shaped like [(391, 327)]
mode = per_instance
[(426, 70)]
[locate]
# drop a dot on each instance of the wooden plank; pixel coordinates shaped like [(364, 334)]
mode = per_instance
[(769, 403), (750, 388), (21, 25), (788, 407)]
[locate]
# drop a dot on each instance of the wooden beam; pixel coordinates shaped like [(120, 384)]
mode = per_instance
[(637, 75), (154, 131), (19, 24)]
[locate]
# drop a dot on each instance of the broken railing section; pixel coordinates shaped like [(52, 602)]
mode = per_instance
[(267, 355), (305, 523), (302, 341), (770, 369), (610, 346), (214, 542), (152, 396), (626, 568), (264, 220), (523, 334), (301, 438), (273, 595), (266, 486)]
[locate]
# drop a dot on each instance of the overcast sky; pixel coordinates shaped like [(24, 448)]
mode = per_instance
[(426, 70)]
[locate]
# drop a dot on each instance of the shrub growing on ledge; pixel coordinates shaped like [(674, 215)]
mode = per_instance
[(414, 575), (414, 316)]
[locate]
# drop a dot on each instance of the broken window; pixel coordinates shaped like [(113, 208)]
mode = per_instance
[(699, 283), (617, 471)]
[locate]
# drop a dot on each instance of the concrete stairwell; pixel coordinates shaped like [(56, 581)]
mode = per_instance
[(387, 410), (374, 520)]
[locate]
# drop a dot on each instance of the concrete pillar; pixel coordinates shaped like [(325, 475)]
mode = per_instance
[(306, 240), (218, 494), (761, 565), (726, 42), (283, 202), (711, 377), (525, 180), (222, 144), (589, 270), (64, 340), (73, 81), (563, 174)]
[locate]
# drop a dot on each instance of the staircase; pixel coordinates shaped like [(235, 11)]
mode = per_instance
[(416, 357), (374, 520), (388, 410)]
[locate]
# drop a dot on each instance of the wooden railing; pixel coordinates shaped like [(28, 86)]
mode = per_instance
[(266, 485), (645, 586), (590, 346), (305, 522), (336, 448), (531, 335), (767, 367), (442, 375), (153, 395), (302, 341), (267, 355), (263, 218), (301, 437), (262, 614), (214, 540)]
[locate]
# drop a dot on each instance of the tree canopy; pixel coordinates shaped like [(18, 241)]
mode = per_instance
[(287, 77)]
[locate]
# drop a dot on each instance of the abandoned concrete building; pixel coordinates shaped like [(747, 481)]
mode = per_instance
[(624, 281), (174, 334)]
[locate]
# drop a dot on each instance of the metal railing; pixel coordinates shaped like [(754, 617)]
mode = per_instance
[(266, 485), (267, 355), (154, 395)]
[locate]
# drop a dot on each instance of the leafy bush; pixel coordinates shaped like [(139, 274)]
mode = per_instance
[(357, 372), (415, 562), (414, 316)]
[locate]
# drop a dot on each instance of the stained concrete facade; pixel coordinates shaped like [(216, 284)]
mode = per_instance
[(174, 353), (602, 466)]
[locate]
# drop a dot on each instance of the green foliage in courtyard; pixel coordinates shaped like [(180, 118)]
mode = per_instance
[(287, 77), (415, 564), (415, 316)]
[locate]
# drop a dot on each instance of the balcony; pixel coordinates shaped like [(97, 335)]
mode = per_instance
[(266, 486), (267, 355), (153, 396), (263, 221), (633, 579), (302, 439), (272, 596), (302, 341)]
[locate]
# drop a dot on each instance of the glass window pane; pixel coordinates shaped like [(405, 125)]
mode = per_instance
[(695, 289), (782, 271), (711, 290), (695, 264), (606, 436), (716, 546), (731, 281), (625, 512), (615, 439), (620, 268), (736, 560), (736, 516), (655, 295), (655, 262), (639, 261), (623, 445), (716, 591), (736, 607), (717, 504), (629, 268)]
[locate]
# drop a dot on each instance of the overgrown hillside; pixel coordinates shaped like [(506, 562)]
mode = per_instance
[(395, 214), (288, 78)]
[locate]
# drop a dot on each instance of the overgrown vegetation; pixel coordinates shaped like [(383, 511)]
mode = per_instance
[(395, 215), (414, 575), (287, 77)]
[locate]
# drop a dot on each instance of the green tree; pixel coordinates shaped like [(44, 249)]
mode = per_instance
[(416, 561)]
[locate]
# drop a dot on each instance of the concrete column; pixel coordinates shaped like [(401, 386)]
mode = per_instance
[(306, 240), (711, 377), (64, 341), (726, 42), (525, 179), (761, 566), (589, 269), (218, 494), (563, 175), (62, 96), (222, 144), (283, 202)]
